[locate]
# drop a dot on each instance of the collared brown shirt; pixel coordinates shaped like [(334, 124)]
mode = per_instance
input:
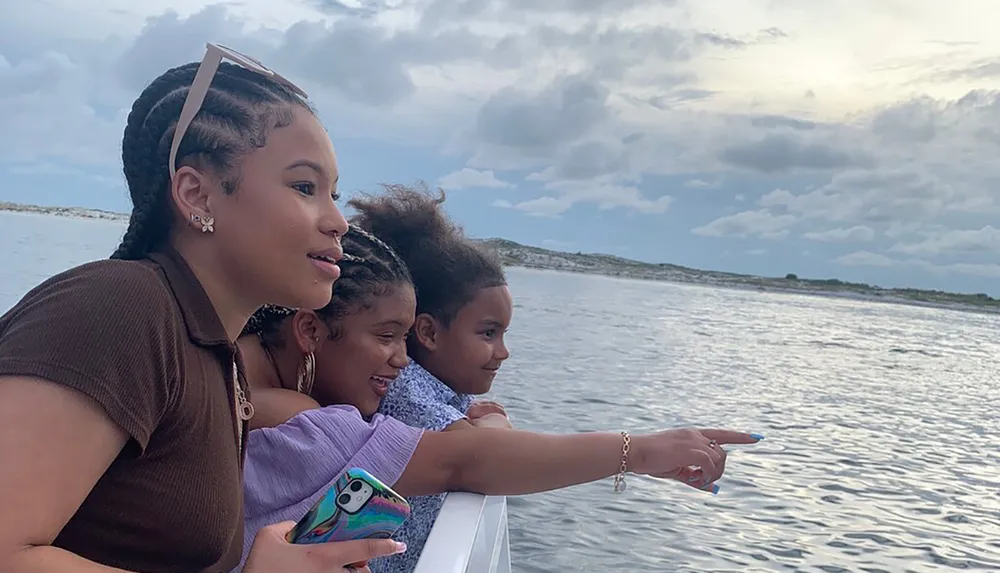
[(143, 340)]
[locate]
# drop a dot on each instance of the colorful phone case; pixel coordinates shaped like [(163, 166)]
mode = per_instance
[(357, 506)]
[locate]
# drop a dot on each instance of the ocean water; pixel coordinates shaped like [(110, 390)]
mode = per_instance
[(883, 433)]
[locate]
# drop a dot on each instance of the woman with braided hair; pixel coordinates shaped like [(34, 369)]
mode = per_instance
[(123, 409), (319, 377)]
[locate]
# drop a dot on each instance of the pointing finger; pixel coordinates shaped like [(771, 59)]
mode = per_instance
[(731, 437)]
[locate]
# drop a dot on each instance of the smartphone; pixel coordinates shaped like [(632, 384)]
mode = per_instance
[(357, 506)]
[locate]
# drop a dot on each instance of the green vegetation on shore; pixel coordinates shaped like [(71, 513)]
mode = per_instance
[(518, 255)]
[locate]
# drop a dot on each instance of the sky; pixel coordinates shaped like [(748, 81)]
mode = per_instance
[(855, 139)]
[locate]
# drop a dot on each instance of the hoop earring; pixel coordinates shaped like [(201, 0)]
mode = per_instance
[(207, 223), (307, 374)]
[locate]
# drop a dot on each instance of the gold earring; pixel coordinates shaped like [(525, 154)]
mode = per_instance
[(307, 374), (207, 223)]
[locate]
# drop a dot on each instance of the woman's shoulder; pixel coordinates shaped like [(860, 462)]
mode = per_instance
[(105, 284), (142, 280), (106, 329), (109, 298)]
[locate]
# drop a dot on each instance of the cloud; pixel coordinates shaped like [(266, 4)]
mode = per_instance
[(698, 184), (775, 153), (872, 197), (605, 196), (865, 259), (870, 259), (760, 223), (470, 178), (855, 234), (985, 240), (533, 126)]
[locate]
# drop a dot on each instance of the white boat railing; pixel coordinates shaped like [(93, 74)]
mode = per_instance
[(469, 536)]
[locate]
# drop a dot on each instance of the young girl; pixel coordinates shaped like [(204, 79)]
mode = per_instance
[(350, 352), (457, 344), (122, 416)]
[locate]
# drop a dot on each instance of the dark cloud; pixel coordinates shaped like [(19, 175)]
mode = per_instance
[(986, 69), (539, 123), (876, 197), (722, 41), (769, 121), (765, 36), (943, 130), (366, 63), (771, 34), (781, 153), (614, 51), (168, 40), (351, 57), (367, 9), (677, 97), (590, 160), (914, 120)]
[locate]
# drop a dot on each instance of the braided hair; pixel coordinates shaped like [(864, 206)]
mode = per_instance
[(448, 269), (240, 109), (369, 270)]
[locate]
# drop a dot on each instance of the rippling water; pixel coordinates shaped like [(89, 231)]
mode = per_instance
[(881, 420)]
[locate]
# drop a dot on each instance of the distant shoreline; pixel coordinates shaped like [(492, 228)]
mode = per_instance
[(72, 212), (518, 255)]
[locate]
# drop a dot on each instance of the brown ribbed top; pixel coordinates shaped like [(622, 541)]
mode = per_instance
[(143, 339)]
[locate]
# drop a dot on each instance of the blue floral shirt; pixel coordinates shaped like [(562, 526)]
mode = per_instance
[(417, 398)]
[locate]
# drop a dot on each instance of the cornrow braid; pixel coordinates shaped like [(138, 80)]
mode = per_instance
[(369, 270), (240, 109)]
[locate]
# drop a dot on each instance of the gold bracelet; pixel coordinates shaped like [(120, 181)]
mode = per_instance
[(620, 485)]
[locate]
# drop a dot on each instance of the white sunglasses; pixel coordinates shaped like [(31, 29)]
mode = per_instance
[(203, 79)]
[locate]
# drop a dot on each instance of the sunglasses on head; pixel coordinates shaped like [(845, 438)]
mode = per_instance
[(203, 79)]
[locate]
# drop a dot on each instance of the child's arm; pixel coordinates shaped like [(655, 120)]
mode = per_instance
[(275, 406)]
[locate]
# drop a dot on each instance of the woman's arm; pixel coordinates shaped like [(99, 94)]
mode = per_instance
[(55, 444), (275, 406), (508, 462), (512, 462)]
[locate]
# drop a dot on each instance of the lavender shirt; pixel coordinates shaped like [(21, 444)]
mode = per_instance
[(289, 467)]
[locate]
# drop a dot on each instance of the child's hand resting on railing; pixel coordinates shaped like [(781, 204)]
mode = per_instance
[(492, 421), (488, 414), (480, 408)]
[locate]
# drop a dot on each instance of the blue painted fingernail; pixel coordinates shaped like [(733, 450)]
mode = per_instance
[(715, 489), (757, 437)]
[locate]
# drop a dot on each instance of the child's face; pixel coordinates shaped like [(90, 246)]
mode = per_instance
[(356, 367), (471, 349)]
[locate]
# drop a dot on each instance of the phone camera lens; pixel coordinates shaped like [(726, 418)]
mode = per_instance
[(344, 499), (355, 486)]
